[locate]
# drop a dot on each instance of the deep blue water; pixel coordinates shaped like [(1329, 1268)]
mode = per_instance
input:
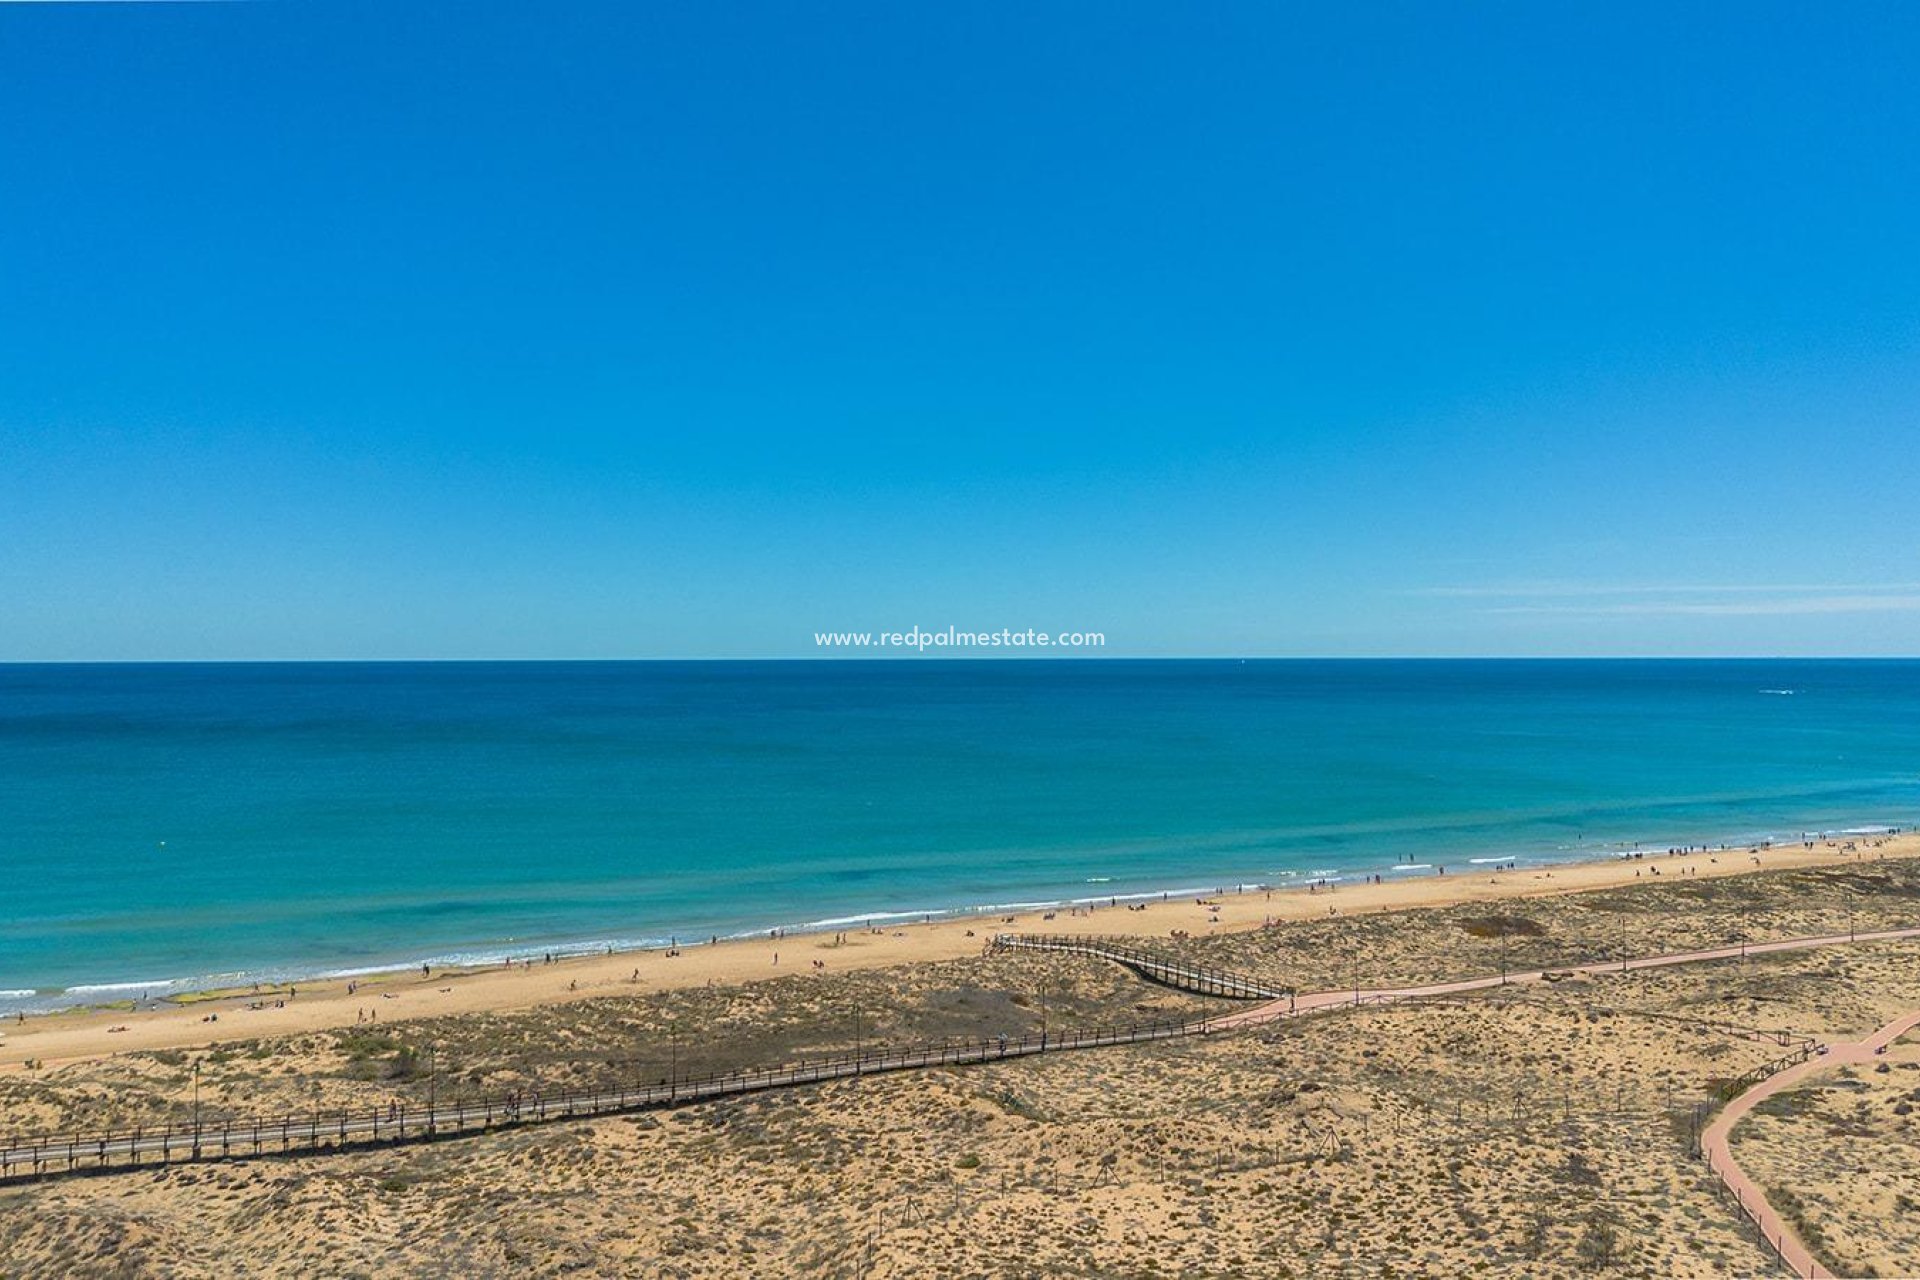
[(194, 823)]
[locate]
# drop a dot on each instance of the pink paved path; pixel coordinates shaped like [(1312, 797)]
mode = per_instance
[(1376, 995), (1717, 1146)]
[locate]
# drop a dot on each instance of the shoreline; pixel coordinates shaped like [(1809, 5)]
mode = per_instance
[(138, 996), (267, 979), (226, 1015)]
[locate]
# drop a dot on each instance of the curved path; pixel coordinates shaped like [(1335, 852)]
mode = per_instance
[(1716, 1141)]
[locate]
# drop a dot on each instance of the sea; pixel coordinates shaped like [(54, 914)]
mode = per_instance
[(171, 827)]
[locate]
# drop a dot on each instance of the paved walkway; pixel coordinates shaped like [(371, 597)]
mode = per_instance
[(1294, 1006), (1717, 1145)]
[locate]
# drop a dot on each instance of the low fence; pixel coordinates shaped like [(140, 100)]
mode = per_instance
[(1731, 1089), (1151, 965), (1770, 1035), (1774, 1244), (1751, 1210), (226, 1138)]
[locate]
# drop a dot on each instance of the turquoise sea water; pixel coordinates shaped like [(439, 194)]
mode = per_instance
[(176, 826)]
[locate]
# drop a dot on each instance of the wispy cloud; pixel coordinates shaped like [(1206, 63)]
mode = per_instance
[(1724, 600), (1724, 608), (1509, 591)]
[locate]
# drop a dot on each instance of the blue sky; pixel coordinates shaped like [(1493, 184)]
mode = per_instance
[(337, 331)]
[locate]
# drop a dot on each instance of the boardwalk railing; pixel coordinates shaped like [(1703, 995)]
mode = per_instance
[(1153, 966), (225, 1138)]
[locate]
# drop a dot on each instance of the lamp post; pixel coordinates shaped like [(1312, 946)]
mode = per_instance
[(196, 1111)]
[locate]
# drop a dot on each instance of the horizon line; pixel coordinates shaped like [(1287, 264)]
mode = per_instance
[(978, 658)]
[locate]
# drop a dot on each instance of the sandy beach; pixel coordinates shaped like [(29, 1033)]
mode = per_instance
[(80, 1035)]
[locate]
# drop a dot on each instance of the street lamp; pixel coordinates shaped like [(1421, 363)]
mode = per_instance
[(196, 1111)]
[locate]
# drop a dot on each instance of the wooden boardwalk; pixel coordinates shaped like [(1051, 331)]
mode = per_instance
[(45, 1155), (1151, 965)]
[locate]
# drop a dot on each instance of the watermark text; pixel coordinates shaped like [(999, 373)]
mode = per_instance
[(919, 640)]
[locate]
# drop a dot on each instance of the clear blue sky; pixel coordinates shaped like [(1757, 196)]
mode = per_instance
[(341, 331)]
